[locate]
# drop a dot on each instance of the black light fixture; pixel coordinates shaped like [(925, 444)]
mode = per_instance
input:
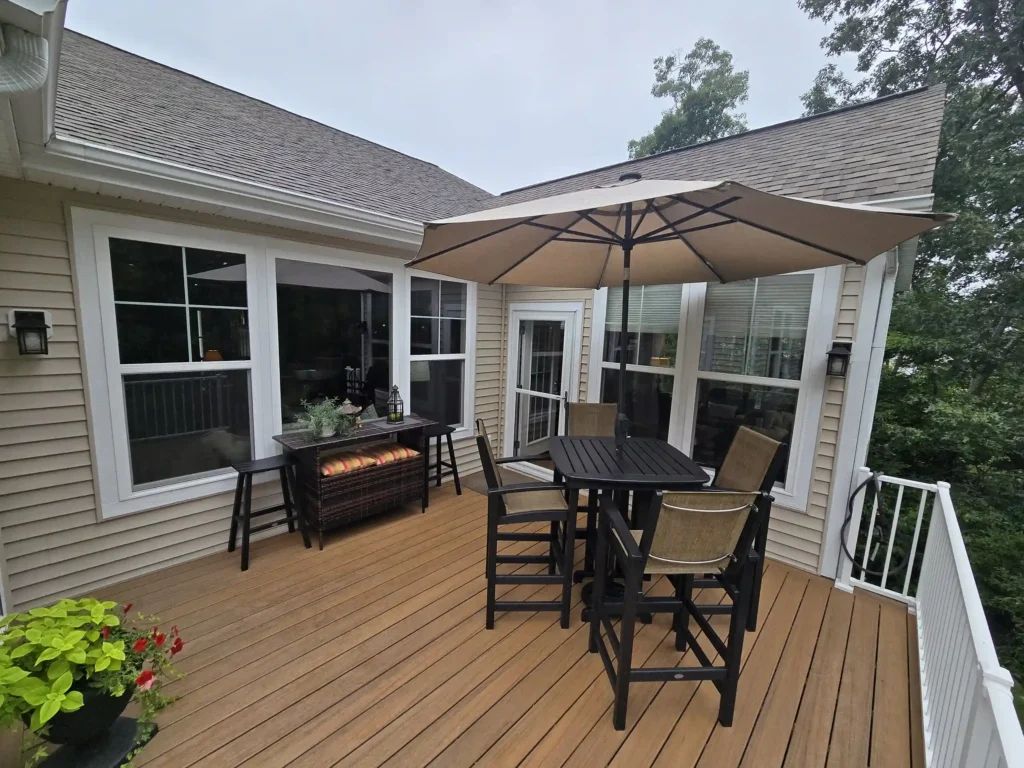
[(839, 359), (396, 407), (32, 328)]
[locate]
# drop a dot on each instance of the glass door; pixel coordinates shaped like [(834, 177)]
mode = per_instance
[(541, 377)]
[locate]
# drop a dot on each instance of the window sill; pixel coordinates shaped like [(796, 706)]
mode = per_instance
[(156, 498)]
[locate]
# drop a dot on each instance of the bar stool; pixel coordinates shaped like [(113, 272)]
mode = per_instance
[(243, 513), (441, 468)]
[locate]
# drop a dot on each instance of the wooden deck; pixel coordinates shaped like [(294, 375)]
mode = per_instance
[(373, 652)]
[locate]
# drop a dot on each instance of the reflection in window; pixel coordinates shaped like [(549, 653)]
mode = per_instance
[(436, 389), (186, 425), (653, 325), (648, 400), (334, 335), (725, 406), (437, 348)]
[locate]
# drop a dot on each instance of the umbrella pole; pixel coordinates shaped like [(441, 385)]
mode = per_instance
[(622, 422)]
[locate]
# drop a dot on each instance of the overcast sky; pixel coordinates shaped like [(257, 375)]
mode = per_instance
[(502, 93)]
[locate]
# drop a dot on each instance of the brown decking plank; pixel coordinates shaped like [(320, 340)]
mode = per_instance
[(851, 728), (693, 731), (808, 746), (890, 728), (767, 745), (917, 748), (276, 705)]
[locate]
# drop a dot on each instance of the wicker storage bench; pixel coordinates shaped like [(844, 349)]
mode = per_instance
[(329, 502)]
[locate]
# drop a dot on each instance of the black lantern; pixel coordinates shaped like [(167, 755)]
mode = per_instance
[(839, 359), (396, 406), (31, 328)]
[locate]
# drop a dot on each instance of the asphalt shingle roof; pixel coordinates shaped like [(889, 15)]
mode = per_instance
[(111, 97), (880, 149)]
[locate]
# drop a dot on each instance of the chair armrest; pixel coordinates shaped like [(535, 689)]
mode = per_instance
[(624, 535), (524, 487)]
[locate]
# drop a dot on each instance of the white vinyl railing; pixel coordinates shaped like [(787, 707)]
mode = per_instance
[(966, 696)]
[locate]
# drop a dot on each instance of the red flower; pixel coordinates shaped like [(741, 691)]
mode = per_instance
[(145, 680), (176, 646), (159, 638), (140, 645), (174, 630), (127, 607), (106, 632)]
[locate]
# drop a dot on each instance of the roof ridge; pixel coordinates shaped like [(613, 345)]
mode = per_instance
[(273, 106), (761, 129)]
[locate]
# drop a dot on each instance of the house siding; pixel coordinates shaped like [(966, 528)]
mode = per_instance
[(54, 541)]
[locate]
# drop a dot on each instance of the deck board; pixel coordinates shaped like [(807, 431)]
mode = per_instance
[(373, 652)]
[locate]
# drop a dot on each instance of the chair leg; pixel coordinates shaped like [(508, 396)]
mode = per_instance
[(553, 550), (426, 473), (760, 545), (734, 649), (492, 559), (438, 468), (684, 590), (455, 466), (600, 579), (236, 510), (246, 519), (568, 556), (630, 597), (588, 553)]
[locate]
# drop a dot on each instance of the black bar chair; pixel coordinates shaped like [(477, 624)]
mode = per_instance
[(243, 513), (684, 534), (441, 468), (515, 503)]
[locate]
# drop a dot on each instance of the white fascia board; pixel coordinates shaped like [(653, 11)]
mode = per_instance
[(95, 168)]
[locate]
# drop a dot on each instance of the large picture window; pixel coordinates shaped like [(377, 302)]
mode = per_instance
[(438, 321), (652, 342), (179, 312)]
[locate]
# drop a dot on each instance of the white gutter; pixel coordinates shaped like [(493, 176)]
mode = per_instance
[(68, 162)]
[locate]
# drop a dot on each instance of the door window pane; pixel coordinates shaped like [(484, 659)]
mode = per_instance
[(334, 335), (536, 422), (541, 355), (437, 389), (757, 327), (724, 406), (151, 334), (184, 425), (215, 278), (653, 325), (150, 272), (648, 400)]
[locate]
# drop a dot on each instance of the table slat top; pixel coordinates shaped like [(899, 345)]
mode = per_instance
[(644, 462), (302, 440)]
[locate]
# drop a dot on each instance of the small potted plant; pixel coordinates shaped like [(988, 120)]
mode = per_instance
[(326, 418), (68, 671)]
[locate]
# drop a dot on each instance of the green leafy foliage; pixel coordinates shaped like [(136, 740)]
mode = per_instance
[(705, 92), (326, 417), (51, 656), (951, 402)]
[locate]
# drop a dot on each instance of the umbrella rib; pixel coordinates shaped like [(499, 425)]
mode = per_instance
[(647, 209), (689, 217), (596, 223), (608, 253), (693, 250), (570, 231), (471, 241), (520, 261), (777, 233), (673, 235)]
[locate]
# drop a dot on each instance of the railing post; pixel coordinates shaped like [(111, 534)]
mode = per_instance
[(846, 563)]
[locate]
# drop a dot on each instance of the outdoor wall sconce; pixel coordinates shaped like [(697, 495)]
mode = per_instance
[(839, 359), (33, 327)]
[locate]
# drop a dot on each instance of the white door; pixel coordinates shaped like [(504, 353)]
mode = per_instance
[(543, 370)]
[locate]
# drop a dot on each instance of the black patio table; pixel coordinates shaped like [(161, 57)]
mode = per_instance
[(643, 465)]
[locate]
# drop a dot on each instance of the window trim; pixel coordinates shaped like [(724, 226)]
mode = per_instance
[(812, 383), (468, 355)]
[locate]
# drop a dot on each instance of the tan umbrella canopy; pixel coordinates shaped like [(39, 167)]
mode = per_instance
[(660, 231)]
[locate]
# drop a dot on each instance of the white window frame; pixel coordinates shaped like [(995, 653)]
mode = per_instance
[(468, 355), (91, 232), (811, 385)]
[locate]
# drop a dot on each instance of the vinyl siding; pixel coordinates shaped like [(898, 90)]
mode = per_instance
[(53, 540)]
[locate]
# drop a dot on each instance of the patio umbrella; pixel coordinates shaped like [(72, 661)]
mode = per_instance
[(660, 231)]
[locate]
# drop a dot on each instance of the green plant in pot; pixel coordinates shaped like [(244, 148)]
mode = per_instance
[(69, 670), (326, 418)]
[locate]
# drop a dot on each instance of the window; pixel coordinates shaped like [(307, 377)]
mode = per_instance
[(333, 336), (438, 322), (751, 361), (652, 343), (179, 311)]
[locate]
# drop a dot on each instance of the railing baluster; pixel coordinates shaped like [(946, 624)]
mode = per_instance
[(871, 533), (892, 535), (913, 545)]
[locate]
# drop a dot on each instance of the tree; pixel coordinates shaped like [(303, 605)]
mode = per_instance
[(705, 92), (950, 397)]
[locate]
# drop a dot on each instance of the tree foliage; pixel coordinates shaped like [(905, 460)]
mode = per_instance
[(705, 91), (950, 403)]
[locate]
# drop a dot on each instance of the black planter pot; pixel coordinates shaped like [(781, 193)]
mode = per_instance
[(89, 724)]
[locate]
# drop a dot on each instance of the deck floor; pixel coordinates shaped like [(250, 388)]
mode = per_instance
[(373, 652)]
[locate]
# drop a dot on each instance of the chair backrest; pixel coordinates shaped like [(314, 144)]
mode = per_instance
[(702, 528), (752, 463), (492, 475), (590, 419)]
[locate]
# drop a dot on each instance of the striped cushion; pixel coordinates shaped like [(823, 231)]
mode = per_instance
[(389, 452), (345, 462)]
